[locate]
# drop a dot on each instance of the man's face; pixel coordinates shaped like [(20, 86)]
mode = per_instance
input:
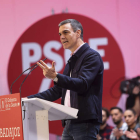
[(104, 117), (68, 37), (116, 116)]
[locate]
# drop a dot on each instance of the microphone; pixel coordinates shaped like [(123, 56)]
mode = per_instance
[(27, 76), (22, 74)]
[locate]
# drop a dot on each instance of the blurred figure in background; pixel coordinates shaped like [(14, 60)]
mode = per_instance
[(133, 101), (132, 88), (105, 129), (133, 131), (117, 117)]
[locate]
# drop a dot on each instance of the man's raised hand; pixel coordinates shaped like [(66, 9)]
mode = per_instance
[(48, 72)]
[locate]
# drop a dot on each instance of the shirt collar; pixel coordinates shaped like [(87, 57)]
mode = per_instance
[(79, 52), (77, 49)]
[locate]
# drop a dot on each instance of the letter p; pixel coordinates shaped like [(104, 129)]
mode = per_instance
[(27, 59)]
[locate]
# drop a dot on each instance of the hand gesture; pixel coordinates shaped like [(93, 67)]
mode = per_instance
[(98, 137), (48, 72), (131, 134), (117, 133)]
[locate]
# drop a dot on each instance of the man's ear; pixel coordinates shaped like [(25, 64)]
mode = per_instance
[(78, 33)]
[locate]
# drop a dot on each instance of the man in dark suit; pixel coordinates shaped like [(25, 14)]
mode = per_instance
[(80, 85)]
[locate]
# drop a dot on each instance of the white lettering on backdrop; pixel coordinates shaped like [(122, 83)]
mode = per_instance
[(27, 59)]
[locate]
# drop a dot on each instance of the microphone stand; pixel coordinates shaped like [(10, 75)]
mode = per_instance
[(27, 76), (22, 74), (25, 79)]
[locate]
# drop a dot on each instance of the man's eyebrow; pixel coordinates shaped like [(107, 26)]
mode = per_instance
[(66, 30), (63, 31)]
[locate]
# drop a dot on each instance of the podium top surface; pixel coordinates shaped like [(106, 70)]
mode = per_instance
[(55, 111)]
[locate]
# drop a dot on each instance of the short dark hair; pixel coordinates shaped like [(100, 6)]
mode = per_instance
[(76, 25), (132, 110), (116, 108), (106, 111)]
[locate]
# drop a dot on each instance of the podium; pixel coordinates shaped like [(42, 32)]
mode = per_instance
[(36, 113), (11, 127), (28, 119)]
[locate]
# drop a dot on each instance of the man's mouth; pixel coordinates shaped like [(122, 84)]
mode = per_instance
[(65, 42)]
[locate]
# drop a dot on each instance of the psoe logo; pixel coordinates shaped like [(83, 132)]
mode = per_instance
[(2, 104)]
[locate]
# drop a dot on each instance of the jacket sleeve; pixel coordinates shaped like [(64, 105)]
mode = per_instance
[(91, 66), (51, 94)]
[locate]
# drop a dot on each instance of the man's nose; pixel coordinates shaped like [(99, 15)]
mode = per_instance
[(62, 36)]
